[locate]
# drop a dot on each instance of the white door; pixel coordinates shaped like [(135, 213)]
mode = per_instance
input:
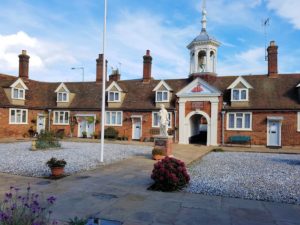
[(90, 129), (137, 128), (81, 127), (274, 133), (41, 123)]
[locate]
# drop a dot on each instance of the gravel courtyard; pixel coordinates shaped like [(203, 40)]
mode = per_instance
[(16, 158), (270, 177)]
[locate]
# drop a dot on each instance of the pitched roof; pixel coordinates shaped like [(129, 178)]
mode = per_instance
[(267, 93)]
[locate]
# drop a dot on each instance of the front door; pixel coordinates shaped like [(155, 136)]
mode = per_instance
[(81, 127), (137, 129), (41, 124), (274, 133), (85, 126)]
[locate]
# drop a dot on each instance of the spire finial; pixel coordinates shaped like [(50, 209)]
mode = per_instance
[(204, 13)]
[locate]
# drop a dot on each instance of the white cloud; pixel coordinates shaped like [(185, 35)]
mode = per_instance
[(288, 9), (243, 63)]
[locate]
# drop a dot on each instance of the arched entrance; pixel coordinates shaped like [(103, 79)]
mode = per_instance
[(197, 127)]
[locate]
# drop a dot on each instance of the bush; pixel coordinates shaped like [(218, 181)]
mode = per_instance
[(157, 151), (218, 150), (26, 209), (53, 162), (169, 174), (47, 140), (111, 133)]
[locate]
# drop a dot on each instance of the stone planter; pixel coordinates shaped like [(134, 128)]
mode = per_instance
[(57, 171)]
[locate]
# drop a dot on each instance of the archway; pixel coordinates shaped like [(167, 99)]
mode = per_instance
[(197, 127)]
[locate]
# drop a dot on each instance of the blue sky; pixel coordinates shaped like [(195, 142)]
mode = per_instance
[(60, 34)]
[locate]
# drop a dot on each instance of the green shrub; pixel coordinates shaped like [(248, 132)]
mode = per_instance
[(111, 133), (218, 150), (77, 221), (169, 174), (47, 140), (84, 134)]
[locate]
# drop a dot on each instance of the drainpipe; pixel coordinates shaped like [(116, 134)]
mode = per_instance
[(223, 126), (49, 119)]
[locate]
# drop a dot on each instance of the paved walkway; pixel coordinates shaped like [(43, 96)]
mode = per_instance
[(119, 192)]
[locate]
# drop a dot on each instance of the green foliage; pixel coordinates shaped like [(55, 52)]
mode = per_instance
[(169, 174), (218, 150), (77, 221), (157, 151), (60, 133), (53, 162), (84, 134), (111, 133), (47, 140)]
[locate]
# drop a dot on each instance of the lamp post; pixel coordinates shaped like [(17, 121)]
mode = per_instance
[(79, 68), (103, 83)]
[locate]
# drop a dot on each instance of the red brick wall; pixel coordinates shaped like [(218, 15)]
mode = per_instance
[(289, 134), (206, 108)]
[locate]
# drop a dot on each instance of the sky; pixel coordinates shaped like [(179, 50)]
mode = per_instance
[(61, 34)]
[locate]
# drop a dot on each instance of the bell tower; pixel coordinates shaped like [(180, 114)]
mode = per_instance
[(203, 50)]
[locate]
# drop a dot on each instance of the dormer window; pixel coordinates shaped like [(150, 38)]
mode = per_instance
[(62, 97), (162, 96), (113, 96), (239, 94), (18, 93)]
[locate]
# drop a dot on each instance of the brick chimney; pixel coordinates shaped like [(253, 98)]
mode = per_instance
[(99, 69), (272, 60), (147, 67), (24, 65), (115, 75)]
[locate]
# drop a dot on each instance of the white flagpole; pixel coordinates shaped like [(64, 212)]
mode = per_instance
[(103, 83)]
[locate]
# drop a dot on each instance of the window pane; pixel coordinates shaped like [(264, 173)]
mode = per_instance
[(119, 118), (113, 118), (165, 96), (61, 117), (235, 95), (56, 117), (155, 119), (111, 96), (247, 121), (244, 95), (16, 93), (64, 97), (66, 117), (159, 96), (239, 115), (12, 116), (169, 117), (231, 120), (239, 122), (116, 96), (59, 97), (24, 116), (18, 114), (21, 93), (108, 118)]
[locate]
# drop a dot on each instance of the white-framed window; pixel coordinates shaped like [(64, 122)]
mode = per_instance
[(61, 117), (62, 97), (18, 93), (241, 94), (114, 118), (113, 96), (298, 119), (239, 121), (18, 116), (162, 96), (155, 119)]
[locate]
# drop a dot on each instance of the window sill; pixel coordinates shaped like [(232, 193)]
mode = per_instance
[(18, 98), (240, 100), (18, 123), (60, 124), (238, 129), (114, 101), (114, 125)]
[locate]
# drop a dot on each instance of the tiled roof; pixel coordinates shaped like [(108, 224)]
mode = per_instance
[(267, 93)]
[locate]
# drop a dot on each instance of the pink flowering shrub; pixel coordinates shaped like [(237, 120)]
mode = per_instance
[(169, 174)]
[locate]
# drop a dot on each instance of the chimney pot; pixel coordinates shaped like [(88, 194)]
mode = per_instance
[(147, 67), (273, 60), (24, 65)]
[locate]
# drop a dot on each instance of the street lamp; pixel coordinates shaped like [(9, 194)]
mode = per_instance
[(79, 68)]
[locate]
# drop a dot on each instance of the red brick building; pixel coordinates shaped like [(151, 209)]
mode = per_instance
[(203, 107)]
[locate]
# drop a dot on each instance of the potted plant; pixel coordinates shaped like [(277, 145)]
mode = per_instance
[(157, 154), (57, 166), (95, 135), (84, 134)]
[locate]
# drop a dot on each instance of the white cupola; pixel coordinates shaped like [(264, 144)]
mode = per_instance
[(203, 49)]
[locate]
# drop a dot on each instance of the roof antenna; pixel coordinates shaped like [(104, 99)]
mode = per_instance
[(265, 24)]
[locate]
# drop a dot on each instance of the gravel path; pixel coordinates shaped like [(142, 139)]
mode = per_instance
[(270, 177), (16, 158)]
